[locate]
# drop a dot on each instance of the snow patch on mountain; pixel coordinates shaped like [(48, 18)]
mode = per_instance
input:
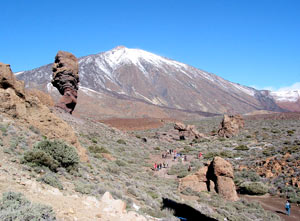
[(286, 95)]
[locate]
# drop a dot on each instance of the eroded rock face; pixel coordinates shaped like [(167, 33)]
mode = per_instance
[(29, 110), (187, 131), (66, 79), (231, 125), (220, 172), (217, 177)]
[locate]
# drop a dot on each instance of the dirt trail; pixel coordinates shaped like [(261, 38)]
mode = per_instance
[(276, 205), (170, 161)]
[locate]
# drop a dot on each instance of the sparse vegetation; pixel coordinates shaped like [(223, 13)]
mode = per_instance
[(14, 206), (253, 188), (241, 147), (52, 180)]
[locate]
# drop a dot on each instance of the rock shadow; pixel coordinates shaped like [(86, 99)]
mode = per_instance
[(184, 212)]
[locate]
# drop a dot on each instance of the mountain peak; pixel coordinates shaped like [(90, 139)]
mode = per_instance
[(120, 47)]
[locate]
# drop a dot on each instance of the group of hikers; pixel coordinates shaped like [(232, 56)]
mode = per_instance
[(174, 156), (159, 166)]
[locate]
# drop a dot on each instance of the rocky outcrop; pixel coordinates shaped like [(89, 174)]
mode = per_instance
[(217, 177), (274, 166), (28, 109), (220, 172), (45, 98), (66, 79), (187, 131), (231, 125)]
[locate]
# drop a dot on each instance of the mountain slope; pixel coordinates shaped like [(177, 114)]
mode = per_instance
[(142, 76)]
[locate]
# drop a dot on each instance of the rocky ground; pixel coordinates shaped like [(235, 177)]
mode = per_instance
[(109, 174)]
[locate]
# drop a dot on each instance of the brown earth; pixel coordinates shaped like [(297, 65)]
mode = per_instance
[(130, 124), (276, 205)]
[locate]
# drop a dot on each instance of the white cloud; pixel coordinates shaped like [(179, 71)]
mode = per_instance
[(293, 87)]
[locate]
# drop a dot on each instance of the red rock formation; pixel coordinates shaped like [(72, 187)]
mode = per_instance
[(29, 110), (217, 177), (66, 79), (231, 126), (187, 131), (220, 172)]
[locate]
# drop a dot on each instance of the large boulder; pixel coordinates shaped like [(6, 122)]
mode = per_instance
[(29, 110), (220, 172), (217, 177), (230, 125), (187, 131), (9, 80), (196, 182), (66, 79)]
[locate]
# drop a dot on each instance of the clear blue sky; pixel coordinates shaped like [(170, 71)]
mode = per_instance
[(251, 42)]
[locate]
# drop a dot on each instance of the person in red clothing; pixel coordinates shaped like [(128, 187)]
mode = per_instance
[(155, 167), (200, 155)]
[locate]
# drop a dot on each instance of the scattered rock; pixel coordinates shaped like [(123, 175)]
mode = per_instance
[(66, 79), (231, 125)]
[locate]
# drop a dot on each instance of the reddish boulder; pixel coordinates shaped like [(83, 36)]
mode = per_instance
[(196, 182), (66, 79), (217, 177), (220, 172), (231, 125), (187, 131)]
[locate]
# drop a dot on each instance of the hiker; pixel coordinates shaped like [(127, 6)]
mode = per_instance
[(200, 155), (185, 158), (288, 208), (155, 167), (190, 168)]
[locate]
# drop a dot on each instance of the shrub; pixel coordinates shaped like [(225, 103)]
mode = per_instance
[(179, 169), (14, 206), (210, 155), (96, 149), (241, 147), (52, 154), (40, 158), (253, 188), (52, 180), (120, 141), (84, 188)]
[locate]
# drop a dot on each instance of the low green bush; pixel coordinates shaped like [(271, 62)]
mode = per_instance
[(14, 206), (179, 169), (52, 154), (96, 149), (241, 147), (120, 141), (84, 188), (253, 188), (52, 180)]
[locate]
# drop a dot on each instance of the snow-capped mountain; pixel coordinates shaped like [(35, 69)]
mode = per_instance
[(287, 99), (146, 77)]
